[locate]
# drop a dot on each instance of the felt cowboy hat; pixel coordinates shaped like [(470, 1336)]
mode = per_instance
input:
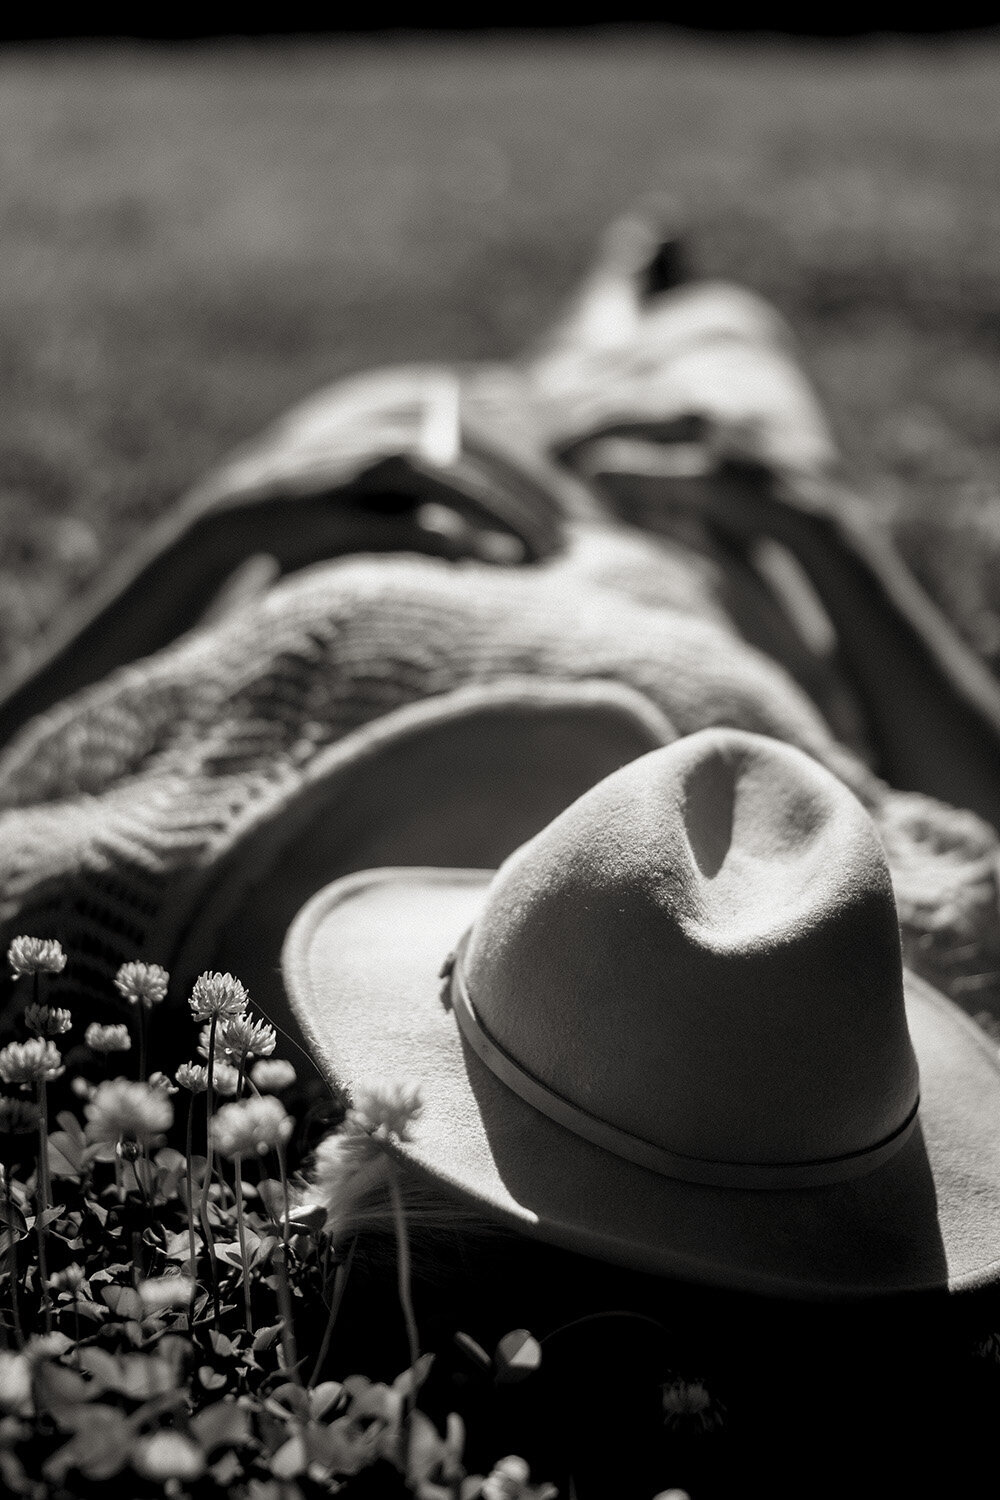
[(673, 1031)]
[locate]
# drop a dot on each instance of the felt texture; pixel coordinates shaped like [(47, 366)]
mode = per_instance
[(362, 964), (721, 908)]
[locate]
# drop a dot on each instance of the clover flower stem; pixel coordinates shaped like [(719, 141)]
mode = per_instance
[(207, 1180), (76, 1328), (142, 1079), (404, 1282), (242, 1233), (192, 1243), (285, 1198), (340, 1277), (239, 1203), (288, 1348), (288, 1340), (138, 1259), (142, 1041), (147, 1206), (12, 1259), (137, 1178), (43, 1195)]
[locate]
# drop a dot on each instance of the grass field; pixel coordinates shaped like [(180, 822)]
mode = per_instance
[(190, 239)]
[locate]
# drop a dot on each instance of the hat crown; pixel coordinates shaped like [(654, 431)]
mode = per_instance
[(703, 952)]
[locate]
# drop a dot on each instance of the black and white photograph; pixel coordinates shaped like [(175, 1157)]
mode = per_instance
[(500, 756)]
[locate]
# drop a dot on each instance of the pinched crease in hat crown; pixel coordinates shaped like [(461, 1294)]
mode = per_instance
[(697, 967)]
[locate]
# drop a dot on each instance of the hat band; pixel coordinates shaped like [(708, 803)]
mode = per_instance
[(643, 1153)]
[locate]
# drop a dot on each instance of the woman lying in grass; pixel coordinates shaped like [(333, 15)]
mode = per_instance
[(668, 1202)]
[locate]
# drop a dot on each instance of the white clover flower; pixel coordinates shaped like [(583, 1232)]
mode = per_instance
[(34, 1061), (160, 1293), (225, 1075), (30, 955), (345, 1169), (167, 1456), (510, 1479), (272, 1075), (204, 1036), (15, 1381), (387, 1109), (507, 1480), (47, 1020), (690, 1404), (122, 1109), (70, 1279), (107, 1038), (243, 1037), (225, 1079), (251, 1127), (217, 995), (159, 1080), (192, 1076), (144, 984)]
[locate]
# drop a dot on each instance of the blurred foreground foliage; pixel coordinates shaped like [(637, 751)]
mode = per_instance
[(166, 1321)]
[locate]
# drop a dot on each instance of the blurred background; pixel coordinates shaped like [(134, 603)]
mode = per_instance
[(193, 236)]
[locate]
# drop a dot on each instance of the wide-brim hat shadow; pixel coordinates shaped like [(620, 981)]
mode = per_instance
[(362, 966)]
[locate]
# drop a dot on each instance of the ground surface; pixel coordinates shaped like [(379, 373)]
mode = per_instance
[(190, 239)]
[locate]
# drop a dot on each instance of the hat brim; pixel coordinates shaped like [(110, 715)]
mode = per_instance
[(361, 966)]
